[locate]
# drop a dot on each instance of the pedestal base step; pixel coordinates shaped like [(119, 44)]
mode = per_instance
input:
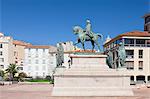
[(64, 91)]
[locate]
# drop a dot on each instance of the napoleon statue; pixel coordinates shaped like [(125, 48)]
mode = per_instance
[(87, 35)]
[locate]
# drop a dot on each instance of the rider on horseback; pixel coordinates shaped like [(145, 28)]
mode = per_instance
[(88, 29)]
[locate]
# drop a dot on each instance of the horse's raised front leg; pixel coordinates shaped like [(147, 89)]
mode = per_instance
[(76, 43)]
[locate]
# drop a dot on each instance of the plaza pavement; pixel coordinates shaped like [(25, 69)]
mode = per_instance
[(43, 91)]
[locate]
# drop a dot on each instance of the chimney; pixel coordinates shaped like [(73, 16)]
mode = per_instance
[(147, 22)]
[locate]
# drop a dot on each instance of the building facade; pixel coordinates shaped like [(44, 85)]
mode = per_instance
[(39, 62), (19, 53), (6, 51), (137, 46)]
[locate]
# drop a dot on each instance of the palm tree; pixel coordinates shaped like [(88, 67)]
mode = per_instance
[(11, 70)]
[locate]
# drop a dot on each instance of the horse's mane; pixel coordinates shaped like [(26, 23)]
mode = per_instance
[(79, 27)]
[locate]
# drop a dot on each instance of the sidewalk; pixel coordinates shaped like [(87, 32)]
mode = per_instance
[(43, 91)]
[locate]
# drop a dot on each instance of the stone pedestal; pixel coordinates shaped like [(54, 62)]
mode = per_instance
[(90, 76)]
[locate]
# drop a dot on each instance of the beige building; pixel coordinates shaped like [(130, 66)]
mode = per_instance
[(11, 51), (19, 53), (137, 46), (6, 51)]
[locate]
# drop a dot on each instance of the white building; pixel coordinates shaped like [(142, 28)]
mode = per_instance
[(39, 62)]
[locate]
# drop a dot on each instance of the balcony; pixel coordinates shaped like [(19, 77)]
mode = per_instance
[(130, 67), (140, 56), (129, 56), (137, 45)]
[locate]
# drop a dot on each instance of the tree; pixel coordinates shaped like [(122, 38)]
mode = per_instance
[(12, 70), (21, 76), (2, 73)]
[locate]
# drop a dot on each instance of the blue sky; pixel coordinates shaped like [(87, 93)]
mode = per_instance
[(51, 21)]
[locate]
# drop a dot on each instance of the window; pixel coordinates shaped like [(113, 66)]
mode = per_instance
[(36, 61), (36, 73), (29, 55), (140, 41), (148, 43), (16, 62), (129, 41), (43, 50), (29, 68), (130, 65), (20, 68), (140, 65), (129, 54), (29, 61), (1, 59), (131, 78), (36, 68), (43, 74), (36, 55), (1, 66), (140, 53), (29, 50), (44, 61), (36, 50), (43, 68), (1, 53), (1, 45), (15, 53)]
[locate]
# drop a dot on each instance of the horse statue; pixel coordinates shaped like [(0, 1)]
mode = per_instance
[(121, 55), (83, 37)]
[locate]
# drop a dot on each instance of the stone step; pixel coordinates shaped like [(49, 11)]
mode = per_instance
[(91, 91)]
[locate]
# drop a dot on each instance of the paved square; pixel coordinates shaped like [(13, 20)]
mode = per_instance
[(43, 91)]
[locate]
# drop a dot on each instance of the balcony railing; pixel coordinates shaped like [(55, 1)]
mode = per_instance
[(130, 67), (137, 45), (129, 56), (140, 56)]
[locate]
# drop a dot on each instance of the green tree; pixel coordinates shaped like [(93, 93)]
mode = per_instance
[(11, 70), (2, 73), (21, 76)]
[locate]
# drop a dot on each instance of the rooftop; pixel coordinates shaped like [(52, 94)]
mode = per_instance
[(38, 46), (52, 48), (130, 34), (17, 42)]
